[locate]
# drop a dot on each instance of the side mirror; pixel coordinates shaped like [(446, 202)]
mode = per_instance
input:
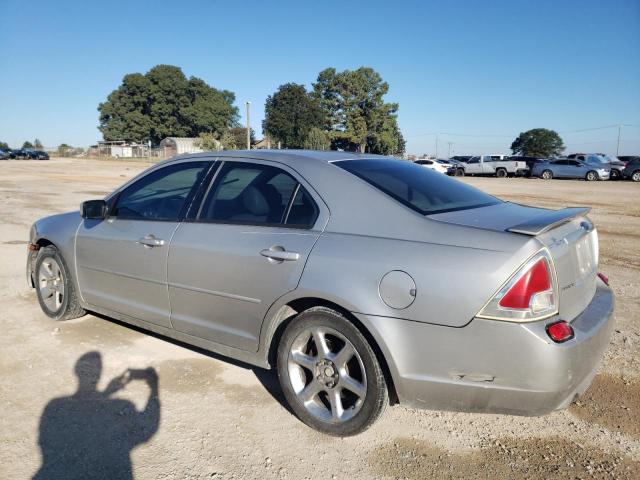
[(94, 209)]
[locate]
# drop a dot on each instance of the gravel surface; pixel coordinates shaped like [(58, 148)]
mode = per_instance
[(68, 412)]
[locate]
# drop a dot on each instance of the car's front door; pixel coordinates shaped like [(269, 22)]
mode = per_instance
[(245, 248), (473, 166), (122, 260), (488, 167)]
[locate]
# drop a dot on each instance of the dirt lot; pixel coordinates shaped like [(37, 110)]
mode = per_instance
[(214, 418)]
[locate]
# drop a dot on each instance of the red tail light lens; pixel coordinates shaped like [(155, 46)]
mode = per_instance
[(560, 331), (535, 280), (529, 294)]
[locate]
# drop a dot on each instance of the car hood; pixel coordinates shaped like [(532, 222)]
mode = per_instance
[(510, 217)]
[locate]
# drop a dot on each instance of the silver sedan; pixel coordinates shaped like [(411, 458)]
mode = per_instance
[(336, 269)]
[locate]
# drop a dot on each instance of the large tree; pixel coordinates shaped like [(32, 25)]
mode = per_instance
[(27, 145), (538, 142), (355, 111), (4, 145), (162, 103), (290, 114)]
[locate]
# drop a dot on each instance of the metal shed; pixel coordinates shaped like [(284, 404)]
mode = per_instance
[(178, 145)]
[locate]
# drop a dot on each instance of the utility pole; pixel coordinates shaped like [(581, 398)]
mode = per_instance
[(248, 104), (449, 143), (618, 144)]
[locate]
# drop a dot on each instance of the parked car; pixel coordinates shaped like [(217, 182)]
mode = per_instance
[(323, 267), (570, 168), (19, 153), (40, 155), (493, 165), (435, 165), (632, 170), (461, 158), (5, 154), (609, 161), (628, 158)]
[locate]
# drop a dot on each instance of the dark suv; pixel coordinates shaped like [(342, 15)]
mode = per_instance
[(632, 170)]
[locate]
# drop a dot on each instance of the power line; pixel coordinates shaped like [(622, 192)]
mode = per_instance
[(513, 135)]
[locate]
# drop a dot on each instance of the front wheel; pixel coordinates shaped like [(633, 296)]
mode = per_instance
[(591, 176), (547, 175), (329, 373), (54, 286), (460, 172), (635, 176)]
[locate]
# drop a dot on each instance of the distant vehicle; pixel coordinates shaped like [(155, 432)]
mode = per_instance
[(530, 161), (570, 168), (19, 153), (632, 170), (433, 165), (493, 165), (612, 162), (31, 154), (40, 155), (5, 154)]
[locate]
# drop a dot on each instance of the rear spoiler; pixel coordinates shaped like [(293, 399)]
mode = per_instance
[(548, 220)]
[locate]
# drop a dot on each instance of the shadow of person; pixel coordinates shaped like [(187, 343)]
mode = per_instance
[(90, 434)]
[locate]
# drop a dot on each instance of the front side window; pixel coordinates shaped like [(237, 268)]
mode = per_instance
[(161, 195), (420, 189), (256, 194), (474, 160)]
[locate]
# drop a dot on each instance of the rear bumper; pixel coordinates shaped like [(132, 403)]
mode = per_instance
[(492, 366)]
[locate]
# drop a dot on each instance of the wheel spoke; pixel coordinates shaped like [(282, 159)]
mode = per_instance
[(310, 391), (353, 385), (304, 360), (336, 404), (344, 355), (321, 342)]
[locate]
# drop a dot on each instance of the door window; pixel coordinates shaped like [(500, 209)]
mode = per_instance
[(163, 194), (257, 194)]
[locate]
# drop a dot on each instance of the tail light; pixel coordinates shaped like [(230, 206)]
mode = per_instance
[(560, 331), (530, 294)]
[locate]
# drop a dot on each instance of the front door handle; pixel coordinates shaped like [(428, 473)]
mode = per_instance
[(150, 241), (279, 254)]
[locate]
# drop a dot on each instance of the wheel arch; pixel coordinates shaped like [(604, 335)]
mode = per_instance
[(288, 312)]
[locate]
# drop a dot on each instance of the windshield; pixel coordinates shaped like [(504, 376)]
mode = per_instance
[(423, 190)]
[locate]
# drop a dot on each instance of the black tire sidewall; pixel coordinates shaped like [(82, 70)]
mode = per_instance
[(501, 173), (52, 252), (370, 409)]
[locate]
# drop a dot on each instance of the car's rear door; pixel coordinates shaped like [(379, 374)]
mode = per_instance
[(122, 260), (245, 247)]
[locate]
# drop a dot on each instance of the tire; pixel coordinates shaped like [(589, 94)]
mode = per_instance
[(54, 286), (635, 176), (615, 174), (322, 378), (547, 175), (459, 172), (501, 173), (591, 176)]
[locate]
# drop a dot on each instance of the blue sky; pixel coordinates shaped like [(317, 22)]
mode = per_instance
[(483, 70)]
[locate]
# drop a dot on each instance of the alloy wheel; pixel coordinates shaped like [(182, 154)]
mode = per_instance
[(51, 284), (327, 374)]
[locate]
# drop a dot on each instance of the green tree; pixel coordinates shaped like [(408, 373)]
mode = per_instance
[(240, 137), (317, 139), (4, 145), (228, 141), (208, 141), (27, 145), (37, 144), (64, 150), (538, 142), (163, 103), (290, 113), (355, 111)]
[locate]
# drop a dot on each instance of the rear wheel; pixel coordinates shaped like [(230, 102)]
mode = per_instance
[(591, 176), (547, 175), (501, 173), (635, 176), (54, 286), (329, 373)]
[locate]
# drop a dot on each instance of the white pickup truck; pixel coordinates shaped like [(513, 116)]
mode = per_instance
[(494, 165)]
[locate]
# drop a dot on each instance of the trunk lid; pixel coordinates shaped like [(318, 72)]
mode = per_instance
[(568, 235)]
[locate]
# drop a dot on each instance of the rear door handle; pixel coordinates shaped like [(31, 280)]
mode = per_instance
[(279, 254), (150, 241)]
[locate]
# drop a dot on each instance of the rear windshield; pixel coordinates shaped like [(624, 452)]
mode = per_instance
[(421, 189)]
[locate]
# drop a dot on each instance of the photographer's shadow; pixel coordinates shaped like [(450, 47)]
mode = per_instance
[(90, 434)]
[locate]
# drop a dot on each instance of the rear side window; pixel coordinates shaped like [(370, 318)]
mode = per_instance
[(256, 194), (425, 191)]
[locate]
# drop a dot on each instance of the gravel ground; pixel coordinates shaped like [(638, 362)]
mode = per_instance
[(189, 414)]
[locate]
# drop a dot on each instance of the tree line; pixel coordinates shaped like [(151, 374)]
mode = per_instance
[(343, 110)]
